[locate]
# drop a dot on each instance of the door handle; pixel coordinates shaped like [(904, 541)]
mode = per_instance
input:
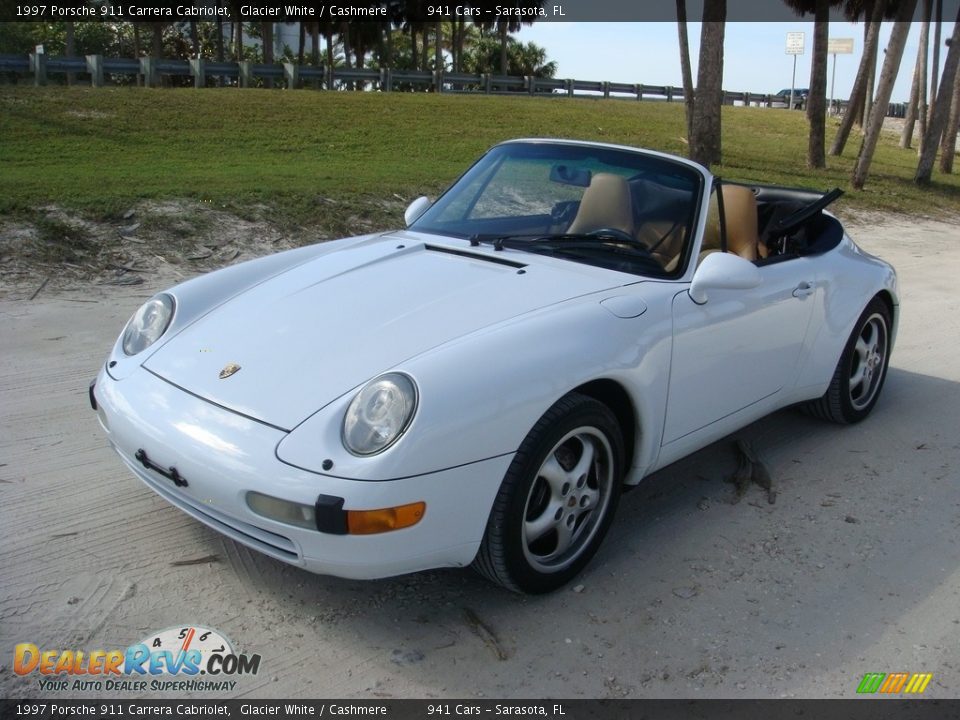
[(803, 289)]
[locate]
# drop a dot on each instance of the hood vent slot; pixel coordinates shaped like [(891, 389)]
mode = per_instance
[(475, 256)]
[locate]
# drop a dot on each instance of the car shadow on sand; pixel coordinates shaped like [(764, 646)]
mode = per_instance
[(693, 588)]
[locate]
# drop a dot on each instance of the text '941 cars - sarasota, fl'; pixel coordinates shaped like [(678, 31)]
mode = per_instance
[(477, 388)]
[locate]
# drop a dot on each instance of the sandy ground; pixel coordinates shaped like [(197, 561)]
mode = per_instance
[(855, 569)]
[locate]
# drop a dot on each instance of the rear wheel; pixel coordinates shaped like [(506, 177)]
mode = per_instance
[(861, 371), (557, 499)]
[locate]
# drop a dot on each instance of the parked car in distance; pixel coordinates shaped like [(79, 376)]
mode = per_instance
[(477, 387), (782, 98)]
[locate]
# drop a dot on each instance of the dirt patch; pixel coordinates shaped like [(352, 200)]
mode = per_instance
[(167, 241)]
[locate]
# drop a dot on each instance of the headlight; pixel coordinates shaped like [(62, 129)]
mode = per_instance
[(379, 414), (148, 324)]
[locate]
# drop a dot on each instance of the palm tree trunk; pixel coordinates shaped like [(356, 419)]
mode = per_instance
[(239, 41), (502, 28), (266, 39), (438, 54), (910, 119), (948, 144), (315, 44), (414, 55), (871, 84), (859, 92), (817, 97), (194, 38), (157, 50), (345, 40), (891, 64), (424, 48), (388, 31), (705, 145), (68, 27), (922, 109), (941, 110), (136, 50), (302, 50), (688, 98), (329, 36), (220, 55), (937, 30)]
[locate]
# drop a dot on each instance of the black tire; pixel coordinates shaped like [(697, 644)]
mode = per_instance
[(542, 531), (849, 400)]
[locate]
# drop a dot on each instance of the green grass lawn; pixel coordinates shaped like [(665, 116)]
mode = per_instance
[(97, 151)]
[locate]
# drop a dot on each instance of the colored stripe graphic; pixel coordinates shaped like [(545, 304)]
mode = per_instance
[(871, 682), (918, 682), (893, 683)]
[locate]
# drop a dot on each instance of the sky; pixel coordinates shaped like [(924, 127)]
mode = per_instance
[(754, 53)]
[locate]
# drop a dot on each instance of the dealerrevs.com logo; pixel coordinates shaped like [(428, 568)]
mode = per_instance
[(184, 658)]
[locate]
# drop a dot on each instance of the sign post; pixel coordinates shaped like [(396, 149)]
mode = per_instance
[(794, 47), (837, 46)]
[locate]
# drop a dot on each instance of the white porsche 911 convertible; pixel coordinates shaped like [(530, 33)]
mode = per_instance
[(476, 389)]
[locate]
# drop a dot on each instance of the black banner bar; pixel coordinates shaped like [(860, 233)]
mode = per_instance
[(385, 10), (121, 709)]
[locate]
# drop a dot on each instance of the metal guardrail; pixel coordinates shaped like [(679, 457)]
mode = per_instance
[(246, 74)]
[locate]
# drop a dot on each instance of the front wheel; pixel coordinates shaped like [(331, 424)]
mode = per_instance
[(861, 371), (557, 499)]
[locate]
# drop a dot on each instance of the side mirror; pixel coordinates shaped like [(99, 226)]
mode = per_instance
[(722, 271), (415, 209)]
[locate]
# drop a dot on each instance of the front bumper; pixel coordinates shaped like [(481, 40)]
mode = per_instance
[(222, 456)]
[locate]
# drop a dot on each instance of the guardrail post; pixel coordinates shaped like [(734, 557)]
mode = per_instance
[(292, 74), (385, 80), (148, 67), (638, 89), (38, 63), (198, 68), (669, 90), (328, 78), (95, 68), (531, 84), (606, 90), (568, 86), (487, 83), (746, 99), (245, 78)]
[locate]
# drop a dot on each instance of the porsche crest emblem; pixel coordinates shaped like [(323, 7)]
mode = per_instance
[(228, 370)]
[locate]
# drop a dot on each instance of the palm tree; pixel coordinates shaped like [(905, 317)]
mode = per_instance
[(948, 144), (688, 99), (941, 110), (891, 64), (70, 50), (873, 11), (817, 96), (917, 106), (705, 147)]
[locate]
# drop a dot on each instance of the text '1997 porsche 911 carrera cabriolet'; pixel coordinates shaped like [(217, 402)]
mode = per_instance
[(478, 387)]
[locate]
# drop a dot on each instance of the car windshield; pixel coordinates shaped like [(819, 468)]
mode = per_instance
[(623, 210)]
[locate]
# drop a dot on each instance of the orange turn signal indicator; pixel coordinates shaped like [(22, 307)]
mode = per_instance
[(371, 522)]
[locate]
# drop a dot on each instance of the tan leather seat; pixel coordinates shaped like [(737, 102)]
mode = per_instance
[(740, 211), (606, 203)]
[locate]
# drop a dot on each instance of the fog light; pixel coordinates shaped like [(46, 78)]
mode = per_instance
[(282, 511), (370, 522)]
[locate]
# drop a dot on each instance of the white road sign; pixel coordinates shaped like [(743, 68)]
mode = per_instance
[(840, 46), (794, 43)]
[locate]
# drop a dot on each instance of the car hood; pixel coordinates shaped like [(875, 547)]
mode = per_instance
[(307, 336)]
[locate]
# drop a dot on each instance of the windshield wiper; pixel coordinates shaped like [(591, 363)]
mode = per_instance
[(525, 239)]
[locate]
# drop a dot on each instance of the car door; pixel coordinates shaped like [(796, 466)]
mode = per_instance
[(738, 348)]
